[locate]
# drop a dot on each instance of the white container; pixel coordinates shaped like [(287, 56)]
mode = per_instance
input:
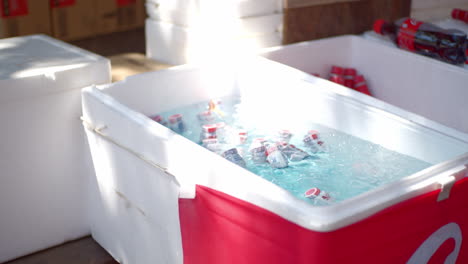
[(188, 9), (45, 164), (143, 168), (219, 23), (430, 88), (175, 45)]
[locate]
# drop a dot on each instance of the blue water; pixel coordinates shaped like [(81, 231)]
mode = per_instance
[(347, 167)]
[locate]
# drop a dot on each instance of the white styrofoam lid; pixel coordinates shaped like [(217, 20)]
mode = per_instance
[(38, 54), (39, 65)]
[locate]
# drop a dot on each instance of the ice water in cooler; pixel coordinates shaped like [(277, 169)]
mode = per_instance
[(315, 163)]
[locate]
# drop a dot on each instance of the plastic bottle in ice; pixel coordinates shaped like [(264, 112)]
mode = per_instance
[(222, 132), (427, 39), (285, 135), (242, 136), (206, 117), (292, 152), (212, 144), (276, 158), (233, 156), (159, 119), (313, 142), (316, 193), (258, 151), (176, 123), (208, 132)]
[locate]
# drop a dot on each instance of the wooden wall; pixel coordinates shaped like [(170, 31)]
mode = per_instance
[(314, 19), (433, 10)]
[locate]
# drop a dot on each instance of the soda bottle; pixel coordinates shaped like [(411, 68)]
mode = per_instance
[(349, 76), (285, 135), (292, 152), (336, 75), (159, 119), (206, 117), (447, 45), (361, 85), (313, 142), (233, 156), (208, 131), (276, 158), (316, 193), (258, 150), (460, 14), (176, 123)]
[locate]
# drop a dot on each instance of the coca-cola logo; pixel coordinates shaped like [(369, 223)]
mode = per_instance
[(430, 246)]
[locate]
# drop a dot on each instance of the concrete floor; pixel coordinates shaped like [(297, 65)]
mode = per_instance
[(82, 251)]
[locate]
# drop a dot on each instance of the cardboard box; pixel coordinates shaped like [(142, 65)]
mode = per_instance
[(73, 19), (119, 15), (24, 17)]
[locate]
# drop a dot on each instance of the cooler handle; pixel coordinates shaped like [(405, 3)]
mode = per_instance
[(447, 183)]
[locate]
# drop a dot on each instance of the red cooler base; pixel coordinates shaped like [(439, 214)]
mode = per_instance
[(218, 228)]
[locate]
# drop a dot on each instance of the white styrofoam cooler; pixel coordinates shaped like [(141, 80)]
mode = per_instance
[(44, 161), (430, 88), (184, 11), (143, 168), (223, 25), (175, 45)]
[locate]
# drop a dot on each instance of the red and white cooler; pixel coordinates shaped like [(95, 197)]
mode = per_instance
[(161, 198)]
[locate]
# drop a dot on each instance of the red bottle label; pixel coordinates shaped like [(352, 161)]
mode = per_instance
[(460, 14), (61, 3), (12, 8), (124, 2), (406, 34)]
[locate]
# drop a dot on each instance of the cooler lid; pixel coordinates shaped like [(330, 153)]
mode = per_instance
[(37, 64)]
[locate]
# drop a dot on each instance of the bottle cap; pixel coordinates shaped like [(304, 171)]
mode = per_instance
[(378, 24), (157, 118), (210, 128), (312, 193), (242, 132), (175, 118), (350, 72), (313, 134), (337, 79), (359, 79), (336, 70), (455, 12), (271, 150)]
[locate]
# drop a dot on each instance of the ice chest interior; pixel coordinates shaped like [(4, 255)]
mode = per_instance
[(433, 89), (152, 184)]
